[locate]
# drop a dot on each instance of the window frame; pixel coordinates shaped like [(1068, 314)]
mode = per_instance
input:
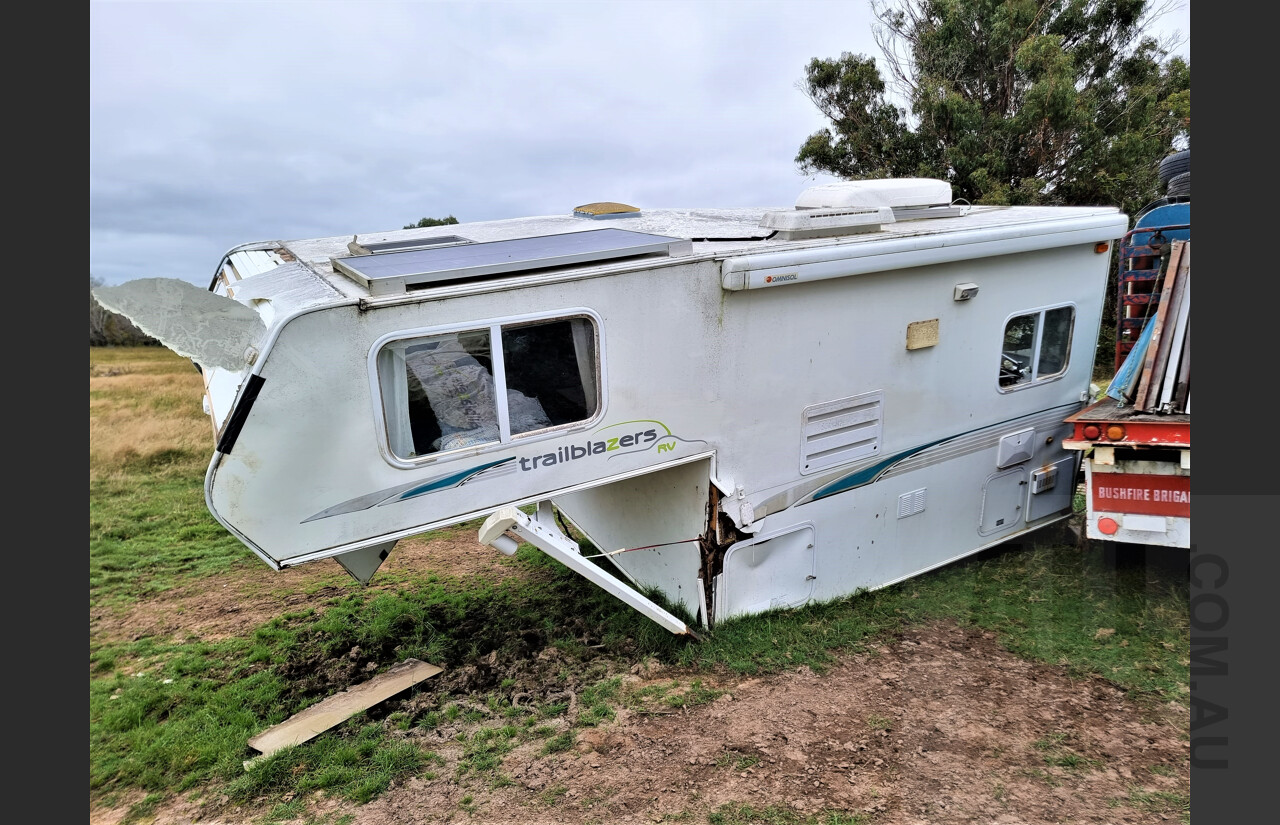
[(1036, 379), (493, 326)]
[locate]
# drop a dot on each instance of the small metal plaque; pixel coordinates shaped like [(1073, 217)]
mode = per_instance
[(922, 334)]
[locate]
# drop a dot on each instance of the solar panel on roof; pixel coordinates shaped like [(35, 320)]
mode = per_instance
[(394, 272)]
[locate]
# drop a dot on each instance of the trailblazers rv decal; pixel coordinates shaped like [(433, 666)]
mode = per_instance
[(611, 441)]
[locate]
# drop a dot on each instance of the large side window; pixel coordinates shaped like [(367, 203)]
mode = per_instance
[(1036, 347), (488, 385)]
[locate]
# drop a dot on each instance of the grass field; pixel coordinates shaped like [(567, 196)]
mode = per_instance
[(171, 716)]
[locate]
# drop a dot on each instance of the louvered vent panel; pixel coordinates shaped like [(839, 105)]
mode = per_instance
[(911, 503), (837, 432)]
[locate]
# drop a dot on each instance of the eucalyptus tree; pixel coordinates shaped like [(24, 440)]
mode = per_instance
[(1011, 101)]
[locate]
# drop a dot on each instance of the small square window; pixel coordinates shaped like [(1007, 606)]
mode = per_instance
[(1036, 347)]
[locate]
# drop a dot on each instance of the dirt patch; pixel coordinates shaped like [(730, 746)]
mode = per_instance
[(940, 726)]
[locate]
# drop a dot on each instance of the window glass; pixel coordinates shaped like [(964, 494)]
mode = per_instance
[(1055, 342), (550, 371), (442, 393), (1036, 346), (1019, 347), (451, 392)]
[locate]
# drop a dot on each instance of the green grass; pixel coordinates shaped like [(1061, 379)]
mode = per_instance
[(359, 764), (736, 760), (559, 743), (183, 720), (149, 531), (1164, 803), (1046, 603), (483, 750), (876, 722), (1056, 753), (740, 814), (552, 795)]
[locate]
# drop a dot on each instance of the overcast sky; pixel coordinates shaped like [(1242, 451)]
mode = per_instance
[(213, 124)]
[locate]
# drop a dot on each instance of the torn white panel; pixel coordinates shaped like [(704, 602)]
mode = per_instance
[(290, 285), (560, 547), (282, 290), (250, 262), (212, 330), (665, 511)]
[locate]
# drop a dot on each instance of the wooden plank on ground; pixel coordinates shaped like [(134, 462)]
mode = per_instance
[(318, 718)]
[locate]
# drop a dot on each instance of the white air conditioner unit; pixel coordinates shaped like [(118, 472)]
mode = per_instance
[(895, 193)]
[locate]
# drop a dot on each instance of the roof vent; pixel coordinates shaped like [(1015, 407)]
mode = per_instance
[(605, 209), (822, 223)]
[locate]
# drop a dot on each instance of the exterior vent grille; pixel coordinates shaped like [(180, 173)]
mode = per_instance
[(911, 503), (821, 223), (837, 432)]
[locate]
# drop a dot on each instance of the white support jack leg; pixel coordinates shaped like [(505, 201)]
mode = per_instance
[(549, 539)]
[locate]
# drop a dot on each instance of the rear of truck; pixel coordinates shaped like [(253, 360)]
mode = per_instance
[(1136, 440), (1137, 471)]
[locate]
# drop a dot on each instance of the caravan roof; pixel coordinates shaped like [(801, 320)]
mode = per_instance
[(501, 254)]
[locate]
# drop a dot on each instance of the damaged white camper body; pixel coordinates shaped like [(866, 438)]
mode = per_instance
[(759, 407)]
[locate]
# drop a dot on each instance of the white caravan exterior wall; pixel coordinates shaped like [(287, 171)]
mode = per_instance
[(727, 372)]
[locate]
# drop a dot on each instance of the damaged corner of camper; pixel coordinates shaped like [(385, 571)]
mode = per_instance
[(744, 409)]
